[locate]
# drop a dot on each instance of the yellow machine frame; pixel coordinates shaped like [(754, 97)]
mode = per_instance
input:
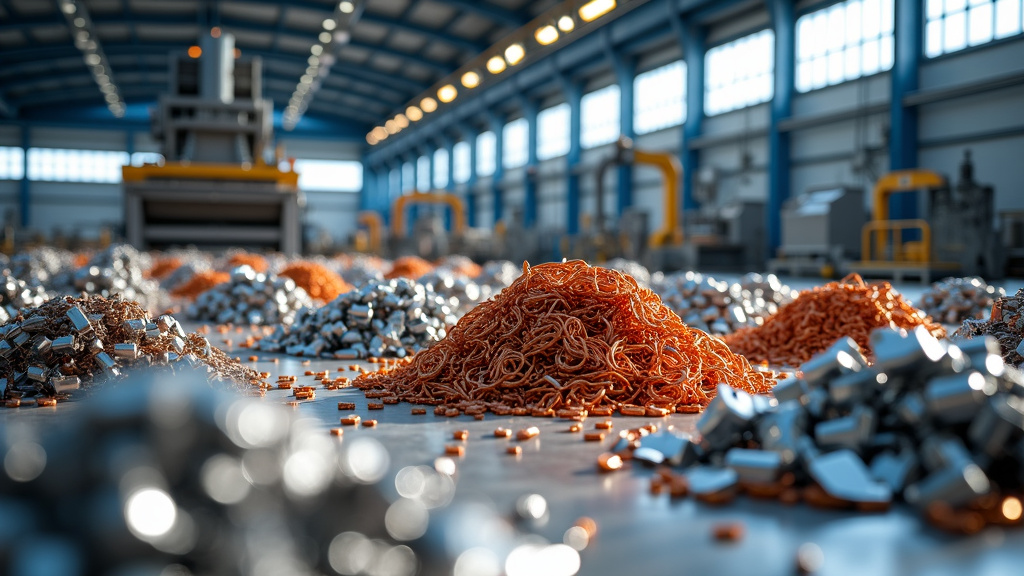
[(199, 171), (894, 183), (453, 201)]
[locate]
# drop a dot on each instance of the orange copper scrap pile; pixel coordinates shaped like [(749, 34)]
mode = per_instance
[(254, 261), (163, 267), (199, 282), (317, 280), (409, 267), (824, 314), (567, 337)]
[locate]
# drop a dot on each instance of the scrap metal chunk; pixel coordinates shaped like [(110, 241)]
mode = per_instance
[(957, 398), (843, 475), (726, 417), (760, 466)]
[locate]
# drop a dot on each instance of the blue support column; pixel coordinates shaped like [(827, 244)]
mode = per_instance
[(497, 125), (903, 120), (530, 176), (625, 73), (25, 191), (369, 188), (694, 47), (784, 23), (469, 135), (573, 96)]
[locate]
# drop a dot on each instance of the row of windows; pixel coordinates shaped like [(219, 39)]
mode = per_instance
[(841, 42), (104, 166)]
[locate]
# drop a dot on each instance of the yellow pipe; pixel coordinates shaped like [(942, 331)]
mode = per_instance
[(885, 228), (895, 182), (453, 201), (197, 171), (374, 224), (671, 232)]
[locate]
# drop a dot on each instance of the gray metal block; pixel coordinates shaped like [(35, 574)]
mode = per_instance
[(843, 355), (957, 398), (853, 431), (706, 480), (956, 486), (999, 422), (854, 387), (894, 469), (843, 475), (761, 466), (791, 389), (727, 416), (667, 443), (781, 430)]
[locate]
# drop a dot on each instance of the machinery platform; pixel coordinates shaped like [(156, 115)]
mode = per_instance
[(898, 271)]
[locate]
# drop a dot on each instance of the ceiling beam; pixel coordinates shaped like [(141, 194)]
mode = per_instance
[(491, 12), (6, 109), (33, 57)]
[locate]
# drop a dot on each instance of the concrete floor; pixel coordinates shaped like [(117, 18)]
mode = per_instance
[(641, 533)]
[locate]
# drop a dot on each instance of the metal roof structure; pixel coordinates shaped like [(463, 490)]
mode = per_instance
[(395, 50)]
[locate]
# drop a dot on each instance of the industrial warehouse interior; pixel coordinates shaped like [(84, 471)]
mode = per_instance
[(512, 287)]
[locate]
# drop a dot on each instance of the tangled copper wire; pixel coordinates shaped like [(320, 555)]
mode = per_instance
[(409, 267), (255, 261), (163, 267), (822, 315), (199, 282), (568, 336), (320, 282)]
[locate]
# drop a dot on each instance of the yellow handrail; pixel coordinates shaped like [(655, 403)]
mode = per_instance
[(398, 210), (913, 251), (893, 183), (374, 224)]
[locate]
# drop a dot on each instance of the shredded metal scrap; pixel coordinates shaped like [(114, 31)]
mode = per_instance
[(718, 307), (1005, 324), (377, 320), (953, 300), (938, 425), (70, 343), (250, 297)]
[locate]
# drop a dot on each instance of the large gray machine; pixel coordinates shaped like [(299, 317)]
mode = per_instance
[(963, 224), (216, 187), (820, 229)]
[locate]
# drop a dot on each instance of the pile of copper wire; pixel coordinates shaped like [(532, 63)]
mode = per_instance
[(163, 267), (81, 259), (567, 337), (824, 314), (320, 282), (254, 261), (199, 282), (411, 267)]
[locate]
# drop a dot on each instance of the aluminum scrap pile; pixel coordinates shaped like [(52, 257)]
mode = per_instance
[(167, 476), (635, 269), (460, 292), (718, 307), (121, 270), (250, 297), (953, 300), (498, 274), (68, 343), (1005, 324), (360, 269), (16, 294), (44, 266), (397, 318), (936, 425)]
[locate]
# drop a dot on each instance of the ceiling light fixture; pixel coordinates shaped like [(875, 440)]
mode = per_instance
[(595, 9), (566, 24), (413, 113), (546, 35), (496, 65), (514, 54), (471, 79), (447, 93), (335, 30), (428, 104), (77, 17)]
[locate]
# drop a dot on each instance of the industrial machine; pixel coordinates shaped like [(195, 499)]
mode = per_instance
[(631, 239), (429, 238), (958, 236), (215, 187), (722, 234), (820, 230)]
